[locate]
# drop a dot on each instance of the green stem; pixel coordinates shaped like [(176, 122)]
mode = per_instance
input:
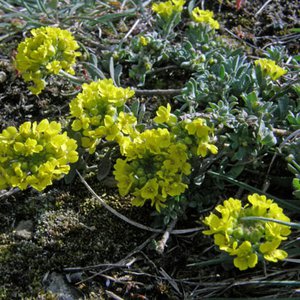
[(284, 203), (291, 224), (211, 262)]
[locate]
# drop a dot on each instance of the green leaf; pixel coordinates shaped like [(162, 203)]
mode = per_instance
[(135, 107), (297, 194), (118, 73), (191, 6), (104, 167), (222, 72), (53, 4), (295, 30), (235, 171), (297, 57), (296, 183), (93, 71)]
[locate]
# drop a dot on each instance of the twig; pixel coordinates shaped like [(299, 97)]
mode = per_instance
[(262, 8), (170, 92), (130, 31), (170, 280), (110, 266), (241, 40), (120, 262), (124, 218), (166, 68), (113, 211), (113, 295), (163, 241), (5, 193)]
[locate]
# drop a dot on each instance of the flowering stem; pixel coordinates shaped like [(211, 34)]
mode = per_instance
[(291, 224)]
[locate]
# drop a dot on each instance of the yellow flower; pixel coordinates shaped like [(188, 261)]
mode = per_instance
[(35, 155), (270, 68), (95, 113), (166, 9), (270, 251), (143, 41), (260, 203), (150, 189), (54, 67), (203, 147), (48, 51), (110, 130), (244, 238), (126, 123), (158, 164), (205, 16), (163, 115), (245, 257), (198, 128)]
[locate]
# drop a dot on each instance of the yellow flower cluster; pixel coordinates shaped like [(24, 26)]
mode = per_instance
[(48, 51), (154, 169), (34, 155), (269, 68), (166, 9), (199, 137), (249, 239), (144, 41), (157, 165), (97, 113), (205, 16), (196, 134)]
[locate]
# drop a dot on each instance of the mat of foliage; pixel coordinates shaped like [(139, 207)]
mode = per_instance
[(63, 244)]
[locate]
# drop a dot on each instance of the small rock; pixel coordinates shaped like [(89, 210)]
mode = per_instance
[(57, 284), (24, 230), (3, 76)]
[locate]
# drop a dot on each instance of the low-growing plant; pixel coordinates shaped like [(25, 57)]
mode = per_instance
[(49, 51), (158, 161), (98, 112), (249, 232), (226, 118), (35, 154)]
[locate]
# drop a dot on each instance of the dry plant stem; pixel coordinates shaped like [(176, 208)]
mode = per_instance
[(124, 218), (113, 211), (241, 40), (120, 262), (6, 194), (170, 92), (171, 281), (130, 31), (262, 8), (112, 295), (163, 241)]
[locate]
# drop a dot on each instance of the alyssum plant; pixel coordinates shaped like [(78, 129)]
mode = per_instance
[(158, 161)]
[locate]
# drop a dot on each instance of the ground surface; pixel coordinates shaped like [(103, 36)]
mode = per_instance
[(64, 241)]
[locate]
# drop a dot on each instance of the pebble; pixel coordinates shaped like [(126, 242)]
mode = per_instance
[(24, 230)]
